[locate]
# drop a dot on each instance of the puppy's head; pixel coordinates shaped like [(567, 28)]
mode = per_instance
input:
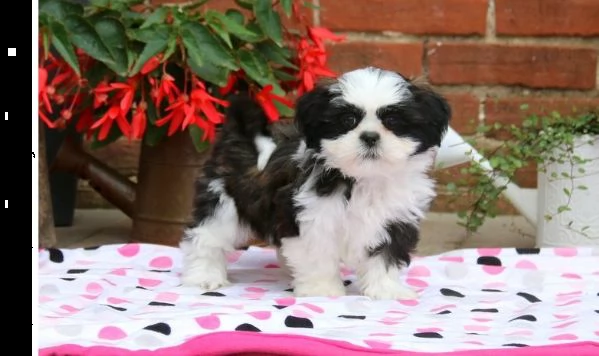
[(372, 122)]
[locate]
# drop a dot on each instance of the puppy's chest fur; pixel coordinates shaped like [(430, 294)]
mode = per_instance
[(358, 215)]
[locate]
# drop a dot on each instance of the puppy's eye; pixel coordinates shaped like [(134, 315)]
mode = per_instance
[(390, 120), (349, 120)]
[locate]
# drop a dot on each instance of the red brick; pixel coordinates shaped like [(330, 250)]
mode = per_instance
[(464, 108), (442, 17), (405, 58), (510, 110), (547, 17), (529, 66)]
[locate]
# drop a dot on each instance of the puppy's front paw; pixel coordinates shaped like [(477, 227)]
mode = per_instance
[(208, 279), (319, 288), (389, 290)]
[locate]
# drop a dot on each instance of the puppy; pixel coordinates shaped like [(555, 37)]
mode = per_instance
[(350, 185)]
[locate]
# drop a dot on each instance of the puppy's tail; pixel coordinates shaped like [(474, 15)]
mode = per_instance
[(246, 124)]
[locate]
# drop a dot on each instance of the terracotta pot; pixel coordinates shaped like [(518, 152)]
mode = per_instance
[(165, 190)]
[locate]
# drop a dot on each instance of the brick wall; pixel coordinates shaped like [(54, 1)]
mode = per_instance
[(487, 56)]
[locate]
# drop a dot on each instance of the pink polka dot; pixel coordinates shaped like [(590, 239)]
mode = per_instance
[(451, 259), (482, 320), (562, 316), (90, 296), (521, 333), (69, 308), (429, 330), (301, 314), (443, 307), (148, 282), (45, 298), (564, 337), (111, 333), (209, 322), (566, 324), (261, 315), (489, 251), (476, 327), (114, 300), (397, 312), (256, 290), (161, 262), (525, 264), (597, 332), (129, 250), (167, 297), (94, 288), (565, 251), (313, 307), (493, 269), (575, 293), (85, 262), (234, 256), (272, 265), (417, 283), (408, 302), (381, 334), (419, 271), (285, 301), (568, 303), (571, 276), (252, 296), (378, 344), (119, 272)]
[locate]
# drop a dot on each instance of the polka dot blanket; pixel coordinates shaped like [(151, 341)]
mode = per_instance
[(128, 300)]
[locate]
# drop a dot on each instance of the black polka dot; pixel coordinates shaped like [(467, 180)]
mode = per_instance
[(515, 345), (347, 282), (597, 311), (360, 317), (161, 304), (91, 248), (444, 312), (247, 327), (162, 328), (429, 335), (472, 334), (56, 255), (528, 251), (160, 270), (295, 322), (116, 308), (213, 294), (492, 290), (280, 306), (527, 317), (77, 271), (290, 290), (485, 310), (140, 287), (531, 298), (488, 261), (451, 293), (68, 279)]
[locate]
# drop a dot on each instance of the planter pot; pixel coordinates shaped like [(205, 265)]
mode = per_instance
[(578, 226), (165, 190), (63, 185)]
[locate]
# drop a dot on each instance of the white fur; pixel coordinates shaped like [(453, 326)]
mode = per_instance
[(265, 146), (204, 246)]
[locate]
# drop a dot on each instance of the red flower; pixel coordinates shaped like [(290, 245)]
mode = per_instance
[(101, 94), (125, 92), (86, 120), (44, 90), (231, 81), (139, 121), (312, 65), (178, 111), (114, 113), (319, 34), (165, 88), (205, 103), (151, 64), (266, 99)]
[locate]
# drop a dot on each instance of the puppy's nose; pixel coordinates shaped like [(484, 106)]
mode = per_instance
[(370, 138)]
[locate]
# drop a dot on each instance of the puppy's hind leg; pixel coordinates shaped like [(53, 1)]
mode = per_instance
[(204, 245)]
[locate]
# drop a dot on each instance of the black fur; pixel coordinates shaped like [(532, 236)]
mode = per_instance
[(402, 241)]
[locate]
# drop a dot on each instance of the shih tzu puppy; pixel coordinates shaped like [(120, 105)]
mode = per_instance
[(349, 186)]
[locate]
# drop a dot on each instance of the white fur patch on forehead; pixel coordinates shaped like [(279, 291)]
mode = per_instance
[(370, 88)]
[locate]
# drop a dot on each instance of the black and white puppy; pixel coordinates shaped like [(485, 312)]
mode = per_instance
[(350, 186)]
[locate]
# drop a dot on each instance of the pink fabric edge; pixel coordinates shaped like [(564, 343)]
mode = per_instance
[(234, 342)]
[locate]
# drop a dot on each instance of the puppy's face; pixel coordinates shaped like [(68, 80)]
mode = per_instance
[(372, 122)]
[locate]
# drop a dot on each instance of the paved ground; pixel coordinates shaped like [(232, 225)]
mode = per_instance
[(440, 232)]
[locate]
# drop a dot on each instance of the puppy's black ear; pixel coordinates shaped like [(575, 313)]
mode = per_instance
[(432, 106), (309, 110)]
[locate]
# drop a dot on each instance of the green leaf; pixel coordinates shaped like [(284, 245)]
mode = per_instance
[(170, 49), (284, 110), (209, 72), (582, 187), (231, 24), (284, 76), (287, 6), (150, 50), (60, 9), (84, 36), (221, 31), (204, 46), (157, 17), (112, 33), (60, 41), (194, 5), (255, 66), (196, 134), (275, 53), (154, 134), (269, 20), (235, 15), (150, 34), (246, 4), (562, 208)]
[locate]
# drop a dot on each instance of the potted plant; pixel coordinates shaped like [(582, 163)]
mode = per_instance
[(565, 149), (161, 74)]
